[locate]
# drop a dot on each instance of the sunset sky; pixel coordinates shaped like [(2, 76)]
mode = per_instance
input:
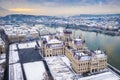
[(59, 7)]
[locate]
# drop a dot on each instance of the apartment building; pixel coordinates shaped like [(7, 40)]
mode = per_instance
[(18, 34)]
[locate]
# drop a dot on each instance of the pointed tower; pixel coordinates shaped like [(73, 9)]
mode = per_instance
[(67, 36)]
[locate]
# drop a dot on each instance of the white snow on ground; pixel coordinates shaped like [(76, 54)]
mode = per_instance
[(27, 45), (34, 70), (15, 70), (59, 70), (101, 76)]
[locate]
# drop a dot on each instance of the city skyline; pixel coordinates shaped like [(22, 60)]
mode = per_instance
[(59, 7)]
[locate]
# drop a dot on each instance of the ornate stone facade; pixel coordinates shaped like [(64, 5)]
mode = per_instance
[(82, 59)]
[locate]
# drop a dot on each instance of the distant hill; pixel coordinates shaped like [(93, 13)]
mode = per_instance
[(94, 15), (25, 16), (33, 18)]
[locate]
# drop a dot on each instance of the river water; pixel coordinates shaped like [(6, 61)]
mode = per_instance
[(110, 44)]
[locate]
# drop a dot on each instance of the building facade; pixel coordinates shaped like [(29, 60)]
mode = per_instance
[(21, 33), (82, 59), (83, 62), (52, 47)]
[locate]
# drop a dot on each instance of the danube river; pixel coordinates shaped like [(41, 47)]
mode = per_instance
[(110, 44)]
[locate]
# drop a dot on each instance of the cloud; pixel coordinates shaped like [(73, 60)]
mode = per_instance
[(21, 9), (32, 11), (66, 2), (57, 2), (3, 11), (61, 7)]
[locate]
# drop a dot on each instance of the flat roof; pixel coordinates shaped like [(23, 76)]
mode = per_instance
[(27, 45), (19, 31), (59, 69), (102, 76), (29, 55), (34, 70), (15, 70), (54, 41)]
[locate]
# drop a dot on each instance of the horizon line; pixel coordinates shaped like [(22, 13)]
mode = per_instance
[(63, 16)]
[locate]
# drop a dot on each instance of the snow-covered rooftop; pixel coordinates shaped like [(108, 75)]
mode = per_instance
[(35, 70), (12, 47), (46, 37), (56, 45), (85, 58), (59, 68), (27, 45), (102, 76), (15, 70), (87, 55), (78, 42), (54, 41), (98, 51), (77, 39), (14, 58), (13, 54), (80, 53), (44, 31), (20, 31), (59, 31), (99, 54)]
